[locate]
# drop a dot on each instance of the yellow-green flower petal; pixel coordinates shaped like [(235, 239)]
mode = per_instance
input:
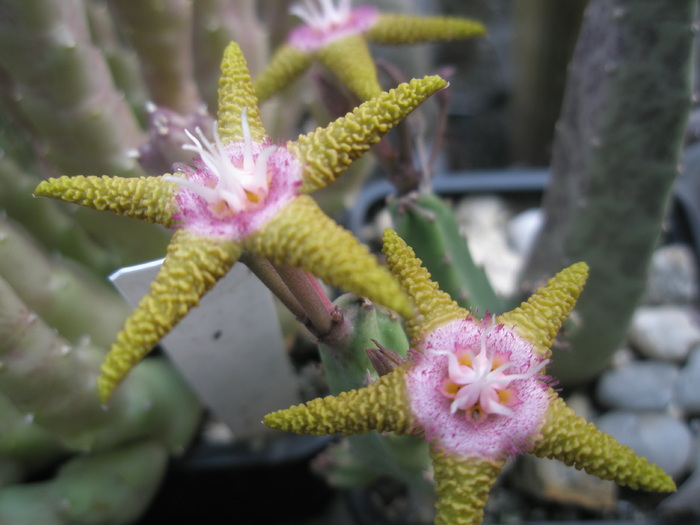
[(236, 92), (434, 306), (285, 65), (349, 59), (381, 406), (572, 440), (462, 486), (401, 29), (541, 316), (327, 152), (147, 198), (302, 235), (192, 266)]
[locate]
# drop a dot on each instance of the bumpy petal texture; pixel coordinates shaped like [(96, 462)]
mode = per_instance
[(327, 152), (401, 29), (302, 235), (434, 306), (572, 440), (381, 406), (541, 316), (286, 64), (462, 486), (350, 60), (192, 266), (147, 198), (236, 92)]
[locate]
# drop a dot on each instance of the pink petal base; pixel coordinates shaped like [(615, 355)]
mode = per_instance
[(493, 436), (284, 175), (309, 39)]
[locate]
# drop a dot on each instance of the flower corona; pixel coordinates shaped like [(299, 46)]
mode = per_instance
[(228, 188), (326, 22)]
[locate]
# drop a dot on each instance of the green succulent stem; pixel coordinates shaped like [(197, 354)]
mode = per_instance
[(68, 299), (47, 220), (428, 225), (35, 361), (161, 34), (112, 487), (615, 159), (68, 95)]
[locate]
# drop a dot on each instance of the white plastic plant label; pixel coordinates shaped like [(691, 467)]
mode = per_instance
[(229, 348)]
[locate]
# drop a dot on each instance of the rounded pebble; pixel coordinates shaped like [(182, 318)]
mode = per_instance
[(664, 332), (673, 276), (687, 391), (640, 385)]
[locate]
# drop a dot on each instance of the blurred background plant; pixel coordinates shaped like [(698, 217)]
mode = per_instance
[(109, 86)]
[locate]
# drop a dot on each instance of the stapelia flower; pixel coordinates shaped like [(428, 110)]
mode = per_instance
[(476, 390), (245, 193), (336, 35)]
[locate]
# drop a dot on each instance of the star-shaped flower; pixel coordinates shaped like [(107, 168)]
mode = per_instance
[(245, 193), (476, 390), (337, 36)]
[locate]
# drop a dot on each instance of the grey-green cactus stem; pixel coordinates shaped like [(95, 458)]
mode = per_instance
[(122, 59), (218, 22), (427, 224), (64, 88), (346, 367), (25, 447), (161, 33), (56, 384), (615, 159), (69, 300), (64, 91), (112, 487), (47, 220)]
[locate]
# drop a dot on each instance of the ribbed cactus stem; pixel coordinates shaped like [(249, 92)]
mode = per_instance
[(346, 364), (74, 303), (111, 487), (47, 220), (614, 164), (161, 33), (122, 59), (429, 226), (54, 382), (68, 96), (346, 367), (25, 446)]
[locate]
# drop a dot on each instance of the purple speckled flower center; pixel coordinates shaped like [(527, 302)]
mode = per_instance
[(325, 22), (478, 389)]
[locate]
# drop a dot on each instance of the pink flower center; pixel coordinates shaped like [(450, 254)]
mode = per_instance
[(233, 187), (322, 15), (478, 382), (325, 22)]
